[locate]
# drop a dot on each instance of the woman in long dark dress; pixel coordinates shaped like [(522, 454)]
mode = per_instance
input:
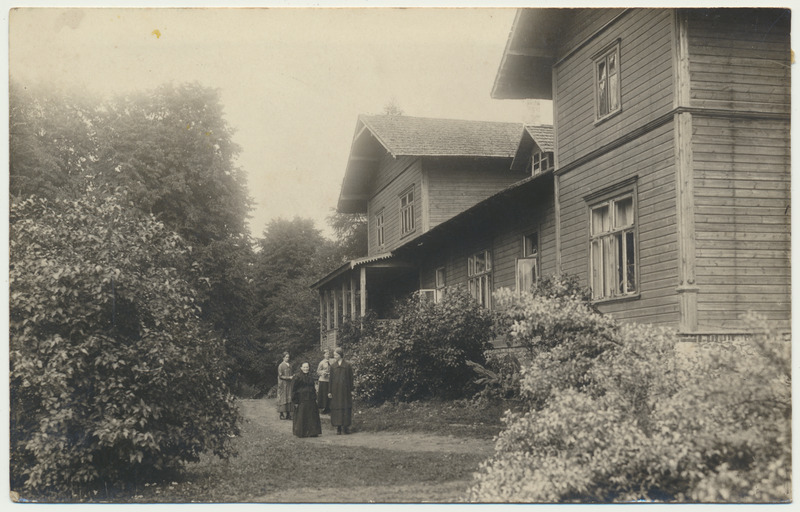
[(304, 398), (285, 388), (341, 394)]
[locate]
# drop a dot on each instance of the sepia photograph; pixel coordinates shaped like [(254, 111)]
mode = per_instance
[(399, 254)]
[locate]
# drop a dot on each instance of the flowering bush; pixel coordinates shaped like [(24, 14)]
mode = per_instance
[(626, 412), (422, 354)]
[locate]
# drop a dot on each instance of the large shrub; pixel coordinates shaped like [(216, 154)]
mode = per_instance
[(113, 377), (626, 412), (422, 354)]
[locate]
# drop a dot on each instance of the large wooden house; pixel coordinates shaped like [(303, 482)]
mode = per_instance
[(667, 191), (409, 175)]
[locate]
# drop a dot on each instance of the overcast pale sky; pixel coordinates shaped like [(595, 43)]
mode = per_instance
[(292, 80)]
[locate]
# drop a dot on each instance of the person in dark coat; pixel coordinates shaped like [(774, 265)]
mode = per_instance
[(304, 398), (341, 394)]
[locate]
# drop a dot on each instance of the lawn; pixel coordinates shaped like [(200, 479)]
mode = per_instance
[(272, 466)]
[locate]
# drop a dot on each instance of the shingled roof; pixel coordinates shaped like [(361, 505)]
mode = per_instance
[(534, 135), (422, 136), (542, 135)]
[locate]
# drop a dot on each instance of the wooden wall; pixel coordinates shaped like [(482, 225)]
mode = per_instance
[(456, 185), (742, 221), (651, 158), (395, 175), (500, 231), (739, 59), (645, 83)]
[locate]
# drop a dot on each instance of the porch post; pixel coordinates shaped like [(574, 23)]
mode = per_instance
[(352, 297), (335, 308), (344, 299), (321, 318), (363, 292)]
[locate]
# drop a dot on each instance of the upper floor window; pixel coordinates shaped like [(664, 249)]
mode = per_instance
[(606, 80), (613, 247), (541, 161), (441, 283), (379, 237), (479, 271), (407, 212), (528, 264)]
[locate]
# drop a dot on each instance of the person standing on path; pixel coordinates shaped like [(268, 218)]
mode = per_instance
[(341, 394), (324, 374), (285, 388), (304, 398)]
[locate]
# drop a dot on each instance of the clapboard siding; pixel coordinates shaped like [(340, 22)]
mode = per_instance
[(395, 175), (645, 83), (454, 186), (739, 59), (650, 158), (582, 23), (742, 219)]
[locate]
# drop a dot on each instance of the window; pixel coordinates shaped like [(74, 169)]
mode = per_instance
[(613, 248), (607, 90), (528, 264), (407, 212), (379, 238), (440, 283), (541, 161), (479, 271)]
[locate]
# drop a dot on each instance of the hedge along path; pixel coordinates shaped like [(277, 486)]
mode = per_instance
[(264, 412)]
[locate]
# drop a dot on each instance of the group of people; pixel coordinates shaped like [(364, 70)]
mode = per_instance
[(302, 396)]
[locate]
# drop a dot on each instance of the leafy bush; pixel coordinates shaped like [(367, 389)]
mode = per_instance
[(422, 354), (500, 377), (627, 412), (112, 375)]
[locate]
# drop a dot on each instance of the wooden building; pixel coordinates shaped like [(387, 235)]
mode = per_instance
[(664, 184), (672, 153), (408, 175)]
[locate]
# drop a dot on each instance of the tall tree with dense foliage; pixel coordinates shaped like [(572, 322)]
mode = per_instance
[(114, 377), (350, 232), (293, 255)]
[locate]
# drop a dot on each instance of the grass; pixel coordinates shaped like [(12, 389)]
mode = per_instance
[(270, 463), (460, 418)]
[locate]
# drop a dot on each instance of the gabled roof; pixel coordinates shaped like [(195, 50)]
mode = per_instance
[(424, 136), (377, 135), (539, 135), (526, 69)]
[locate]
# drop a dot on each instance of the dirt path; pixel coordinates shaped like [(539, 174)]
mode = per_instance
[(263, 412)]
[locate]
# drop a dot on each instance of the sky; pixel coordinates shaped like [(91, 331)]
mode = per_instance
[(292, 80)]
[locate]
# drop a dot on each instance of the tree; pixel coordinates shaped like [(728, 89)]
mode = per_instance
[(114, 377), (351, 234), (293, 254)]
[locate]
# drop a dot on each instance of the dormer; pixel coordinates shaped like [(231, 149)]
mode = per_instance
[(535, 153)]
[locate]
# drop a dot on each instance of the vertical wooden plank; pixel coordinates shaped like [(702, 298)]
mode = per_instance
[(687, 286), (352, 297), (335, 308), (557, 202), (321, 320), (363, 288), (680, 59), (344, 300), (425, 199)]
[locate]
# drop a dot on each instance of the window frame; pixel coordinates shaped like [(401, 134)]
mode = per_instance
[(440, 285), (479, 283), (602, 58), (528, 256), (544, 156), (407, 212), (609, 198), (380, 231)]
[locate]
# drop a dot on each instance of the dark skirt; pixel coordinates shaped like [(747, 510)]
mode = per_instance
[(341, 417), (306, 419), (323, 401)]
